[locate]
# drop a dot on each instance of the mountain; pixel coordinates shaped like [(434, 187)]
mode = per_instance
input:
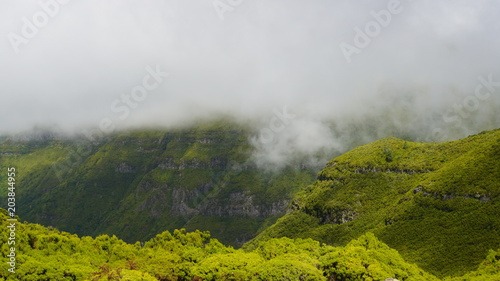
[(437, 204), (138, 184)]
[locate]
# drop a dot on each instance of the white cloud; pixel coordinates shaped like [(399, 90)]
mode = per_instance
[(263, 55)]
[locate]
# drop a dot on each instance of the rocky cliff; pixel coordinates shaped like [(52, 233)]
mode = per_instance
[(141, 183)]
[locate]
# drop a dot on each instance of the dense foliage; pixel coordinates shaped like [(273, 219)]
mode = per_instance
[(436, 203), (48, 254)]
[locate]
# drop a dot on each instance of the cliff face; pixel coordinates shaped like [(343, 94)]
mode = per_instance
[(138, 184)]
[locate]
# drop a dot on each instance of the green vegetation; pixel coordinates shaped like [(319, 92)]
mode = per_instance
[(436, 204), (48, 254), (489, 270), (388, 209), (138, 184)]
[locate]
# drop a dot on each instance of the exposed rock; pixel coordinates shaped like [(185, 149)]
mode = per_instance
[(335, 215), (195, 163), (154, 204), (124, 167), (448, 197), (242, 204), (205, 140), (339, 216), (176, 201), (365, 170), (145, 186), (331, 164), (218, 163), (180, 199), (142, 149), (341, 170), (484, 198)]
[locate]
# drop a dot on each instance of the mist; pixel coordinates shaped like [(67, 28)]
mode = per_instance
[(314, 78)]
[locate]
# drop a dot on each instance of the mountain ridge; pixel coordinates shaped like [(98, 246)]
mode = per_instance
[(407, 194)]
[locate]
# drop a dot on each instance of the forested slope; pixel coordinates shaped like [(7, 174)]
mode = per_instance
[(436, 203), (138, 184)]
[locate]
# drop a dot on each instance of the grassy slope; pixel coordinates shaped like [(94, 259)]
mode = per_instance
[(437, 204)]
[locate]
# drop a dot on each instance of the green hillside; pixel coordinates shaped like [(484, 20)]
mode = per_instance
[(48, 254), (437, 204), (138, 184), (43, 253), (391, 208)]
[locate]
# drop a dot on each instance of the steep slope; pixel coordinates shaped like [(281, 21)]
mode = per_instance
[(437, 204), (138, 184)]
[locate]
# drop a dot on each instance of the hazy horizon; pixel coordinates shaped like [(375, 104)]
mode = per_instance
[(367, 69)]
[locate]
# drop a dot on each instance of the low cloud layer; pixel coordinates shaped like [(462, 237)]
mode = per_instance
[(349, 72)]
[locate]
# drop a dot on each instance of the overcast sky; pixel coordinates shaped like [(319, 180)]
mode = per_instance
[(71, 65)]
